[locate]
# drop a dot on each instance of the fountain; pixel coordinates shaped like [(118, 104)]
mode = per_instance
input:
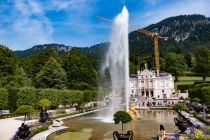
[(117, 62)]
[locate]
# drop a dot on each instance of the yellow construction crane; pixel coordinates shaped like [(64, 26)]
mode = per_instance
[(156, 37), (151, 34)]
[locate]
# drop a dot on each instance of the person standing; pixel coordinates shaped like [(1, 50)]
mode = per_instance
[(161, 134)]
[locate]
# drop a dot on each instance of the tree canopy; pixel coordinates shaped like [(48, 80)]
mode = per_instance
[(17, 80), (80, 71), (202, 57), (51, 76), (180, 106), (44, 103), (7, 61), (25, 110), (3, 99), (123, 117), (175, 64)]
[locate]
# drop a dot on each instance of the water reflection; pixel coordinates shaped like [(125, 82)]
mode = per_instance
[(144, 129)]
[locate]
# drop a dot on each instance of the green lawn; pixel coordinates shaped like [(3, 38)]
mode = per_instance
[(192, 78), (189, 79), (184, 80)]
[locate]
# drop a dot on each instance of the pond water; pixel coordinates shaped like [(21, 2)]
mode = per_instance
[(91, 127)]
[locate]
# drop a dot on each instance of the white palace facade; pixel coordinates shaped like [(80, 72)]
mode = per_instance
[(150, 88)]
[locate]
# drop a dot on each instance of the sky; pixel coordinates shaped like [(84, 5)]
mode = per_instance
[(25, 23)]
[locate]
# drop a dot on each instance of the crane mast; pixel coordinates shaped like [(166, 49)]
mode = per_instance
[(151, 34)]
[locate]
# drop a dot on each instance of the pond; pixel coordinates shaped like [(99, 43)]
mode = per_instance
[(91, 127)]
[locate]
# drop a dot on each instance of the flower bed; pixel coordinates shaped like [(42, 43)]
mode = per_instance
[(38, 130), (202, 119), (64, 115)]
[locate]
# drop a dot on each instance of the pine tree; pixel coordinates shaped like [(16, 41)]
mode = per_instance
[(7, 61), (51, 76), (17, 80)]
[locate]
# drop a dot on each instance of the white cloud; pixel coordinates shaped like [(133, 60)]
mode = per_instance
[(73, 5), (29, 25), (35, 7)]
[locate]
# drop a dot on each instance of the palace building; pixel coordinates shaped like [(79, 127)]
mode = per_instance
[(150, 88)]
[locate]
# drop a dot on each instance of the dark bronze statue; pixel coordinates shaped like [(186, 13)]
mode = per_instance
[(44, 116), (181, 124), (23, 131)]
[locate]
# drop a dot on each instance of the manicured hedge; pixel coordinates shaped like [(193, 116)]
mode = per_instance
[(4, 116), (3, 98), (16, 97), (13, 98), (185, 87), (64, 115), (202, 93)]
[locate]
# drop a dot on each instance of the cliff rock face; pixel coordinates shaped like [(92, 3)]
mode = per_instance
[(59, 48), (180, 27), (184, 33)]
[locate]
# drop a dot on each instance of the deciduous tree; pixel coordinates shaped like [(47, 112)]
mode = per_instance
[(202, 58), (25, 110), (175, 64)]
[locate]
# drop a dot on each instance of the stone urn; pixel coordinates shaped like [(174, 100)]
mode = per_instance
[(181, 124), (127, 136), (23, 131), (44, 116)]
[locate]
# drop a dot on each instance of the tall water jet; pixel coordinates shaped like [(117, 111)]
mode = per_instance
[(117, 62)]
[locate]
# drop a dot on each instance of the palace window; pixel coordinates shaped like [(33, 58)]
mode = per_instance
[(162, 84), (142, 93), (151, 83), (152, 94), (132, 84)]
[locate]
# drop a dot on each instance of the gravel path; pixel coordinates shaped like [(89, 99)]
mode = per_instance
[(9, 127)]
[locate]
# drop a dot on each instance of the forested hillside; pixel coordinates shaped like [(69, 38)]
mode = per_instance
[(185, 33)]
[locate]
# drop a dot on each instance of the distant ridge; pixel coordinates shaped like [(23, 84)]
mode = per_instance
[(184, 32), (59, 48)]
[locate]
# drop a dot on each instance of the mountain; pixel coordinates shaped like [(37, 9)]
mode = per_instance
[(60, 49), (96, 52), (184, 33)]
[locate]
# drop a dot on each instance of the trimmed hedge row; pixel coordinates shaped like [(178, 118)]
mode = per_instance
[(185, 87), (4, 116), (64, 115), (31, 96), (202, 93)]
